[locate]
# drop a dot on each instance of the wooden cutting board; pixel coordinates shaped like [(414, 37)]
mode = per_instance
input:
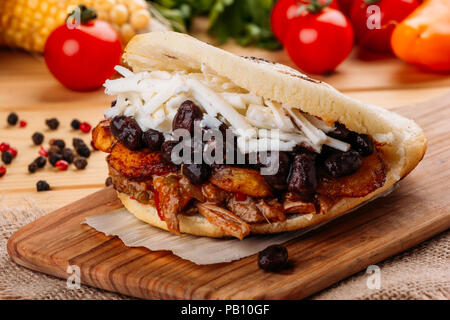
[(417, 210)]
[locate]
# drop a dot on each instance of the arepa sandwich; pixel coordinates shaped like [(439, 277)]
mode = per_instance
[(204, 142)]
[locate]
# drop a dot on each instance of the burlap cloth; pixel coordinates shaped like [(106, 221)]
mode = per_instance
[(422, 272)]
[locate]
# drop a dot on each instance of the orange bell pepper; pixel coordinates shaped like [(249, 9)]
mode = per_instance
[(423, 38)]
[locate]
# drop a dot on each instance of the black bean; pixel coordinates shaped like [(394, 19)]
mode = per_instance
[(108, 181), (58, 142), (37, 138), (153, 139), (32, 167), (77, 142), (273, 258), (84, 151), (277, 180), (303, 177), (12, 119), (166, 149), (363, 144), (343, 163), (52, 123), (80, 163), (7, 157), (75, 124), (68, 155), (42, 185), (186, 115), (341, 132), (127, 131), (196, 173), (113, 103), (54, 158), (40, 161)]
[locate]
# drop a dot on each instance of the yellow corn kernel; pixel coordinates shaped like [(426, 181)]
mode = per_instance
[(126, 32), (140, 19), (119, 14)]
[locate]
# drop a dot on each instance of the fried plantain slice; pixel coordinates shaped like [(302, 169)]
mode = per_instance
[(367, 179), (138, 165), (102, 138), (240, 180)]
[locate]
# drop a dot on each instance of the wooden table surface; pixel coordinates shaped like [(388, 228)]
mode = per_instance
[(27, 88)]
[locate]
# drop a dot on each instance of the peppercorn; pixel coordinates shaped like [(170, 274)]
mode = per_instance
[(84, 151), (80, 163), (40, 161), (62, 165), (2, 171), (32, 167), (52, 123), (4, 146), (13, 151), (22, 123), (77, 142), (12, 119), (37, 138), (68, 155), (42, 185), (108, 181), (54, 158), (58, 142), (54, 150), (75, 124), (85, 127), (7, 157)]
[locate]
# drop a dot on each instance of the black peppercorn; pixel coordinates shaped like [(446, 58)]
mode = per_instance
[(52, 123), (84, 151), (40, 161), (58, 142), (75, 124), (42, 185), (54, 158), (12, 119), (37, 138), (32, 167), (7, 157), (54, 149), (80, 163), (68, 155), (108, 181), (77, 142)]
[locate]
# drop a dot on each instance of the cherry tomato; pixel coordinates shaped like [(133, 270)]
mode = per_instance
[(82, 58), (284, 11), (374, 21), (319, 42), (345, 6)]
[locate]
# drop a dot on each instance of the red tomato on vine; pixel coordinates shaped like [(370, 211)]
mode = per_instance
[(83, 57), (319, 39), (285, 10), (375, 20)]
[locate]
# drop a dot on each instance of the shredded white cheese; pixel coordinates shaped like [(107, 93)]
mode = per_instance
[(153, 98)]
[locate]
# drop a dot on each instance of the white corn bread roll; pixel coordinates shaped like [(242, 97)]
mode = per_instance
[(404, 143)]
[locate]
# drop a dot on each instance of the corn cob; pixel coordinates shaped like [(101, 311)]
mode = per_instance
[(26, 24)]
